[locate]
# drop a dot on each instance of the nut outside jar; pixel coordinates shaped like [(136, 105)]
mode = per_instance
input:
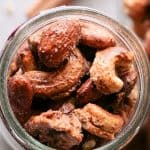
[(17, 136)]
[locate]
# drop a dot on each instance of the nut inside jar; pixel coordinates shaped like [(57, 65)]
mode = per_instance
[(72, 85)]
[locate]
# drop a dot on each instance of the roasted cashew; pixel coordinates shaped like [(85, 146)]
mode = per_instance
[(62, 80), (96, 36), (98, 121), (20, 93), (107, 66), (26, 60)]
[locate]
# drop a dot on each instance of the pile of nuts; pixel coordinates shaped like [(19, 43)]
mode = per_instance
[(139, 11), (72, 85)]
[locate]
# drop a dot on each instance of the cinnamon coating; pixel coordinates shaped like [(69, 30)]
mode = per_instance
[(95, 36), (99, 122), (63, 80), (60, 78), (58, 41), (136, 9)]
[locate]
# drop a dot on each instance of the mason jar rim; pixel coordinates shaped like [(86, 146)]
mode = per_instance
[(13, 43)]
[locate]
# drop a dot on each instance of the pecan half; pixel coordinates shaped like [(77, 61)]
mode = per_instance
[(62, 80)]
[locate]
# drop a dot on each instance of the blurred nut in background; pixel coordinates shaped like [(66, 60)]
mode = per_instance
[(139, 11), (40, 5)]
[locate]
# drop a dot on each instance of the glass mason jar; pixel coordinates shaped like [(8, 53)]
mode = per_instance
[(14, 133)]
